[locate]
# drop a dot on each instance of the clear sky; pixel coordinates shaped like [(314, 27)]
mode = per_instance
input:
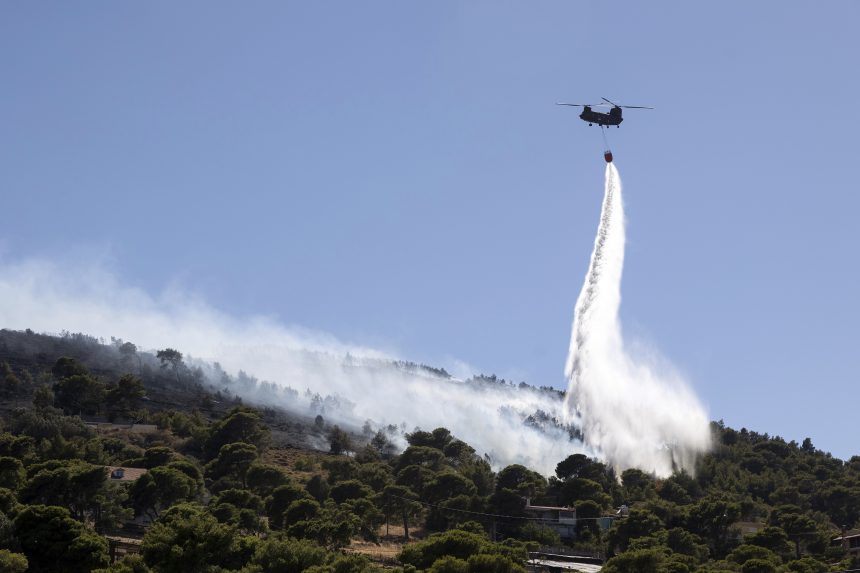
[(396, 174)]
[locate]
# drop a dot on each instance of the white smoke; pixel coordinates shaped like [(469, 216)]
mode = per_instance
[(50, 297), (633, 412)]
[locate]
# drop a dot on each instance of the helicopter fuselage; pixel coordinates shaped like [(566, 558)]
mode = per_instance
[(604, 119)]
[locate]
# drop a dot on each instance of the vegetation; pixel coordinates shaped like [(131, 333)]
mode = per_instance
[(219, 490)]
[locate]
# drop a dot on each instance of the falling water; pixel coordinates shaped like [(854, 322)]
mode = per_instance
[(634, 411)]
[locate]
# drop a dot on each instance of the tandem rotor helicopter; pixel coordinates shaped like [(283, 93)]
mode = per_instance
[(613, 117)]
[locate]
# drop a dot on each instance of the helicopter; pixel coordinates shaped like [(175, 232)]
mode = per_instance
[(603, 119), (600, 118)]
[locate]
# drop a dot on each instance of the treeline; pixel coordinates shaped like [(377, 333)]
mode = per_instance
[(219, 497)]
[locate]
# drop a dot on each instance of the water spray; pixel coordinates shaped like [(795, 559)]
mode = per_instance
[(634, 410)]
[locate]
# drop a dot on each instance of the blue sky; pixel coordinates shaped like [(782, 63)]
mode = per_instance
[(396, 174)]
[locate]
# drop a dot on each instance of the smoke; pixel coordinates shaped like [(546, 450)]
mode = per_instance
[(633, 411), (354, 383)]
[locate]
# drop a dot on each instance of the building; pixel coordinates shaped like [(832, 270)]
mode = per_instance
[(560, 519), (850, 540), (124, 475)]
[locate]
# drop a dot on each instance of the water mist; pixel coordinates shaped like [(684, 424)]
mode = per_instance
[(633, 413)]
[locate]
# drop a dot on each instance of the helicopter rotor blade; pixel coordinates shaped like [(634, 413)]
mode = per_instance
[(577, 104), (627, 106)]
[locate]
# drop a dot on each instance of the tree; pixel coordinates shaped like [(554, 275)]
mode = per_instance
[(12, 562), (743, 553), (171, 358), (639, 561), (420, 456), (437, 439), (640, 523), (522, 480), (128, 352), (318, 487), (280, 500), (339, 441), (66, 367), (349, 489), (10, 385), (400, 500), (282, 555), (489, 563), (797, 526), (541, 534), (75, 485), (239, 425), (233, 461), (53, 541), (125, 395), (188, 538), (131, 563), (263, 478), (79, 394), (711, 518), (447, 484), (773, 538), (580, 489), (376, 475), (449, 564), (159, 489), (637, 484), (12, 473)]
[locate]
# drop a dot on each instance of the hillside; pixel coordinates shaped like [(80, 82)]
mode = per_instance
[(214, 482)]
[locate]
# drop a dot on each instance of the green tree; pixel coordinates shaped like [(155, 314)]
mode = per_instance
[(12, 473), (72, 484), (449, 564), (53, 541), (124, 396), (339, 441), (188, 538), (421, 456), (522, 480), (711, 518), (263, 478), (159, 489), (239, 425), (489, 563), (281, 555), (132, 563), (580, 489), (65, 367), (350, 489), (233, 461), (640, 523), (12, 562), (447, 484), (171, 358), (797, 526), (79, 394), (402, 501), (280, 500), (639, 561), (773, 538)]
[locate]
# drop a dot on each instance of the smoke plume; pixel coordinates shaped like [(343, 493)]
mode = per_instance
[(632, 411), (349, 384)]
